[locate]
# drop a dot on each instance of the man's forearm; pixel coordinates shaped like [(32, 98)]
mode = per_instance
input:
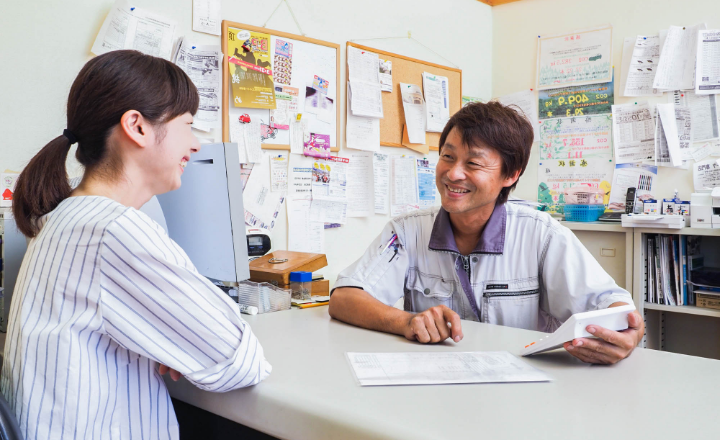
[(357, 307)]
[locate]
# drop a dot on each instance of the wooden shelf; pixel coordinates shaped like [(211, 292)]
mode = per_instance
[(690, 310)]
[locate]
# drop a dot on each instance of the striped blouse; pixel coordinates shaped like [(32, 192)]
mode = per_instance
[(103, 295)]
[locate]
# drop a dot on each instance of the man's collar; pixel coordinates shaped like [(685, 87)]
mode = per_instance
[(492, 240)]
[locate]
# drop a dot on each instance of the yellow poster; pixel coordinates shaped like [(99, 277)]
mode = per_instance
[(250, 64)]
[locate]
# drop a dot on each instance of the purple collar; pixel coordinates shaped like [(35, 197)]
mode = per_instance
[(492, 240)]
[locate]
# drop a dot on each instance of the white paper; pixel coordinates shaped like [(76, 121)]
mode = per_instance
[(642, 177), (414, 108), (366, 99), (304, 235), (363, 66), (279, 173), (706, 175), (707, 76), (297, 135), (703, 151), (261, 204), (704, 113), (237, 135), (676, 68), (385, 75), (128, 27), (286, 101), (362, 133), (202, 65), (628, 48), (437, 101), (252, 140), (328, 212), (527, 103), (360, 190), (667, 117), (381, 182), (403, 180), (642, 67), (300, 177), (206, 16), (330, 179), (633, 132), (427, 190), (426, 368)]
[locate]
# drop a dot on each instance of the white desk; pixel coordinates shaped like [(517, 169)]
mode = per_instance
[(311, 393)]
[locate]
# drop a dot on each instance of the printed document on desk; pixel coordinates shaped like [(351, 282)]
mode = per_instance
[(128, 27), (437, 368)]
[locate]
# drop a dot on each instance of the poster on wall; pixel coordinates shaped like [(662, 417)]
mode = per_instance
[(251, 74), (555, 176), (576, 137), (577, 58), (584, 100), (642, 177)]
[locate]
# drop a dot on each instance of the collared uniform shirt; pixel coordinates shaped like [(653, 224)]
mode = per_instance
[(103, 295), (527, 270)]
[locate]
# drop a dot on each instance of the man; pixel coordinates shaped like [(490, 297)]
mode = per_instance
[(478, 257)]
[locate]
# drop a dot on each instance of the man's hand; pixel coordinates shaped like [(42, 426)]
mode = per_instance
[(175, 375), (611, 346), (434, 325)]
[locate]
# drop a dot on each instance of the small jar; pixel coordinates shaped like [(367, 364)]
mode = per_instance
[(300, 285)]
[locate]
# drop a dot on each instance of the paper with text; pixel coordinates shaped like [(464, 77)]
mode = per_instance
[(707, 73), (633, 132), (381, 182), (437, 101), (360, 188), (206, 16)]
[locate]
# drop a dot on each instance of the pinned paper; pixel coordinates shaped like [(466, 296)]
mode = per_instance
[(420, 148)]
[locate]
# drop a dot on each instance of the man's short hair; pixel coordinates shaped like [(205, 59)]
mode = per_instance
[(505, 129)]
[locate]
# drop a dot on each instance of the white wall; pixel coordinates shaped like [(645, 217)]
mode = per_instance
[(516, 27), (45, 43)]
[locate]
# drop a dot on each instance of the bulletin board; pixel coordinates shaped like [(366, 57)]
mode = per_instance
[(409, 70), (310, 58)]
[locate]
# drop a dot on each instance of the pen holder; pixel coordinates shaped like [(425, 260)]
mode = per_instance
[(264, 296)]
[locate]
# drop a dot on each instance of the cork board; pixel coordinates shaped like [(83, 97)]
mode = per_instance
[(410, 70)]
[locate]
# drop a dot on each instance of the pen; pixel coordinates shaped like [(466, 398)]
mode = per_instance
[(392, 240), (317, 304)]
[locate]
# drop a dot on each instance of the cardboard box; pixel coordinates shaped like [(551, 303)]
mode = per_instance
[(707, 301)]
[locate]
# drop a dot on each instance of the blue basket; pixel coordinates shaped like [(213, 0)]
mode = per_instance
[(583, 213)]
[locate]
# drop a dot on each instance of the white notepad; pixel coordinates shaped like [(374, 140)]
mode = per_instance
[(431, 368)]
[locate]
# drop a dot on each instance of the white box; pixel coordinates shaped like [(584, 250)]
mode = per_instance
[(701, 211)]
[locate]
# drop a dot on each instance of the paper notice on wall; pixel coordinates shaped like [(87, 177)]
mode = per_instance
[(202, 65), (250, 68), (565, 102), (642, 177), (300, 177), (7, 188), (279, 173), (706, 175), (667, 114), (360, 191), (437, 102), (524, 103), (576, 137), (252, 140), (362, 133), (286, 99), (237, 135), (329, 190), (414, 107), (363, 65), (328, 212), (304, 235), (642, 67), (702, 151), (128, 27), (366, 99), (633, 132), (385, 68), (298, 129), (283, 61), (427, 190), (703, 109), (206, 16), (555, 176), (707, 73), (403, 184), (261, 204), (676, 67), (381, 182)]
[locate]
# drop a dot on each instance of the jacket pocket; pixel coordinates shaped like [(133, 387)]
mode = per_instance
[(424, 291), (513, 303)]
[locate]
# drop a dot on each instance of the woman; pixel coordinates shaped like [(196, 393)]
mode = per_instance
[(103, 294)]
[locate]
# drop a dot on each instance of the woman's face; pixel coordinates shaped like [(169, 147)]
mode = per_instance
[(167, 162)]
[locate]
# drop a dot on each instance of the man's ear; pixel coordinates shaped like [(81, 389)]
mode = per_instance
[(136, 128), (510, 180)]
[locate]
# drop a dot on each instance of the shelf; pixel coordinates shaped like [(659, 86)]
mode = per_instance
[(598, 226), (690, 310), (683, 231)]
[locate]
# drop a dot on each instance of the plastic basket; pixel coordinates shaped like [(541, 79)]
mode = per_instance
[(583, 213), (264, 296)]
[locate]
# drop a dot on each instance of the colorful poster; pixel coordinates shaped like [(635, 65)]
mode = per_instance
[(250, 66), (582, 57), (286, 99), (321, 85), (576, 100), (576, 137), (317, 145), (642, 177), (555, 176), (283, 61)]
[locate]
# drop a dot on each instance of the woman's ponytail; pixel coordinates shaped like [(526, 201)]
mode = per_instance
[(42, 185)]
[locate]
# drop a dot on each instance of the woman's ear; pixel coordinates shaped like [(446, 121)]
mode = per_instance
[(134, 126)]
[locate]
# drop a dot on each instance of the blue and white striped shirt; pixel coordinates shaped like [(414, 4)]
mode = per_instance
[(104, 294)]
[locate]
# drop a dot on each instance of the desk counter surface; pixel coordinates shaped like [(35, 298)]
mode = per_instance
[(312, 393)]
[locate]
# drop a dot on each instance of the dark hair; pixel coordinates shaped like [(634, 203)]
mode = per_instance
[(502, 128), (107, 86)]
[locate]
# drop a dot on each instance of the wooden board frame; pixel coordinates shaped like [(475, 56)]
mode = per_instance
[(225, 78), (388, 97)]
